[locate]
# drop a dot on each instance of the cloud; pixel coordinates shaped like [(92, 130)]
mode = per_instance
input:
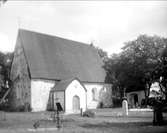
[(108, 24)]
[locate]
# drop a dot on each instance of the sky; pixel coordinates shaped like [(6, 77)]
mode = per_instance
[(106, 24)]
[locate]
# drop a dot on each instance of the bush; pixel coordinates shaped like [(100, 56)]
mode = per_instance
[(117, 102), (89, 113)]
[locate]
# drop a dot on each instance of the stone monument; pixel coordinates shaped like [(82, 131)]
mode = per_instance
[(125, 107)]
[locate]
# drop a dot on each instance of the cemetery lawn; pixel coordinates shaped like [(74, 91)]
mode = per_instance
[(105, 121)]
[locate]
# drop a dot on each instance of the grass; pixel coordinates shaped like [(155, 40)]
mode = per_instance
[(105, 121)]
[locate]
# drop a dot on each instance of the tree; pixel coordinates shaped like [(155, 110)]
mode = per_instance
[(132, 69), (2, 84), (103, 54), (144, 54), (160, 72), (5, 67)]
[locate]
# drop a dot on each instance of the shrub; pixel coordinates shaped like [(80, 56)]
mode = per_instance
[(89, 113), (117, 102)]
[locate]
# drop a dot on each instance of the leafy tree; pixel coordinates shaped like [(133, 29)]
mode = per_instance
[(5, 82), (163, 73), (160, 72), (1, 70), (5, 66), (144, 54), (132, 69), (103, 54)]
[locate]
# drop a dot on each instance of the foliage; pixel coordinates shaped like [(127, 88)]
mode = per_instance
[(132, 69), (5, 82), (5, 66), (103, 54), (160, 73), (105, 97), (117, 102)]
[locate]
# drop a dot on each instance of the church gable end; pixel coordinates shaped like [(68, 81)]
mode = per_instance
[(20, 76)]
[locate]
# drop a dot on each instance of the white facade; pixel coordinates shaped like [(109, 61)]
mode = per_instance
[(88, 94), (75, 89), (67, 95), (92, 102), (40, 90)]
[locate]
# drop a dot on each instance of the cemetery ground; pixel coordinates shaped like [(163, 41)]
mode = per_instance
[(105, 121)]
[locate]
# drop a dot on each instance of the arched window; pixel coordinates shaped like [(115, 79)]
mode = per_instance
[(94, 94)]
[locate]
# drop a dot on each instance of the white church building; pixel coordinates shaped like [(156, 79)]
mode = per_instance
[(48, 69)]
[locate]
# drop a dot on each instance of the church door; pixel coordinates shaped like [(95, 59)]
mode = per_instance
[(76, 103)]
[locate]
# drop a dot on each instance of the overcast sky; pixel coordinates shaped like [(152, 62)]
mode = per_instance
[(107, 24)]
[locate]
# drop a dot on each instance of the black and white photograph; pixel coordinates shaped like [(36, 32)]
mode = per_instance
[(83, 66)]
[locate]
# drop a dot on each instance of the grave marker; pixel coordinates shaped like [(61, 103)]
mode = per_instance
[(125, 107)]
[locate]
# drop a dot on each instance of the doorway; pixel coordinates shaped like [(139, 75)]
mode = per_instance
[(76, 103)]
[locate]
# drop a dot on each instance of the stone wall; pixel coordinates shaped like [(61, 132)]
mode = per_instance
[(20, 94)]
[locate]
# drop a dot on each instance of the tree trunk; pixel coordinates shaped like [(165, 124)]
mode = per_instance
[(145, 102), (146, 98), (147, 93)]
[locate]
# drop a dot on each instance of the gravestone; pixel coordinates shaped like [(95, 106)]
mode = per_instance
[(125, 107)]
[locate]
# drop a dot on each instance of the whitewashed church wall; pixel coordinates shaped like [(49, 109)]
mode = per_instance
[(90, 102), (40, 90), (75, 88), (101, 88)]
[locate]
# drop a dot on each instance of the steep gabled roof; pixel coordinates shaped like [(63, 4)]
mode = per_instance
[(63, 84), (51, 57)]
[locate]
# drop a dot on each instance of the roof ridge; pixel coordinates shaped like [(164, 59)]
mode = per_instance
[(55, 36)]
